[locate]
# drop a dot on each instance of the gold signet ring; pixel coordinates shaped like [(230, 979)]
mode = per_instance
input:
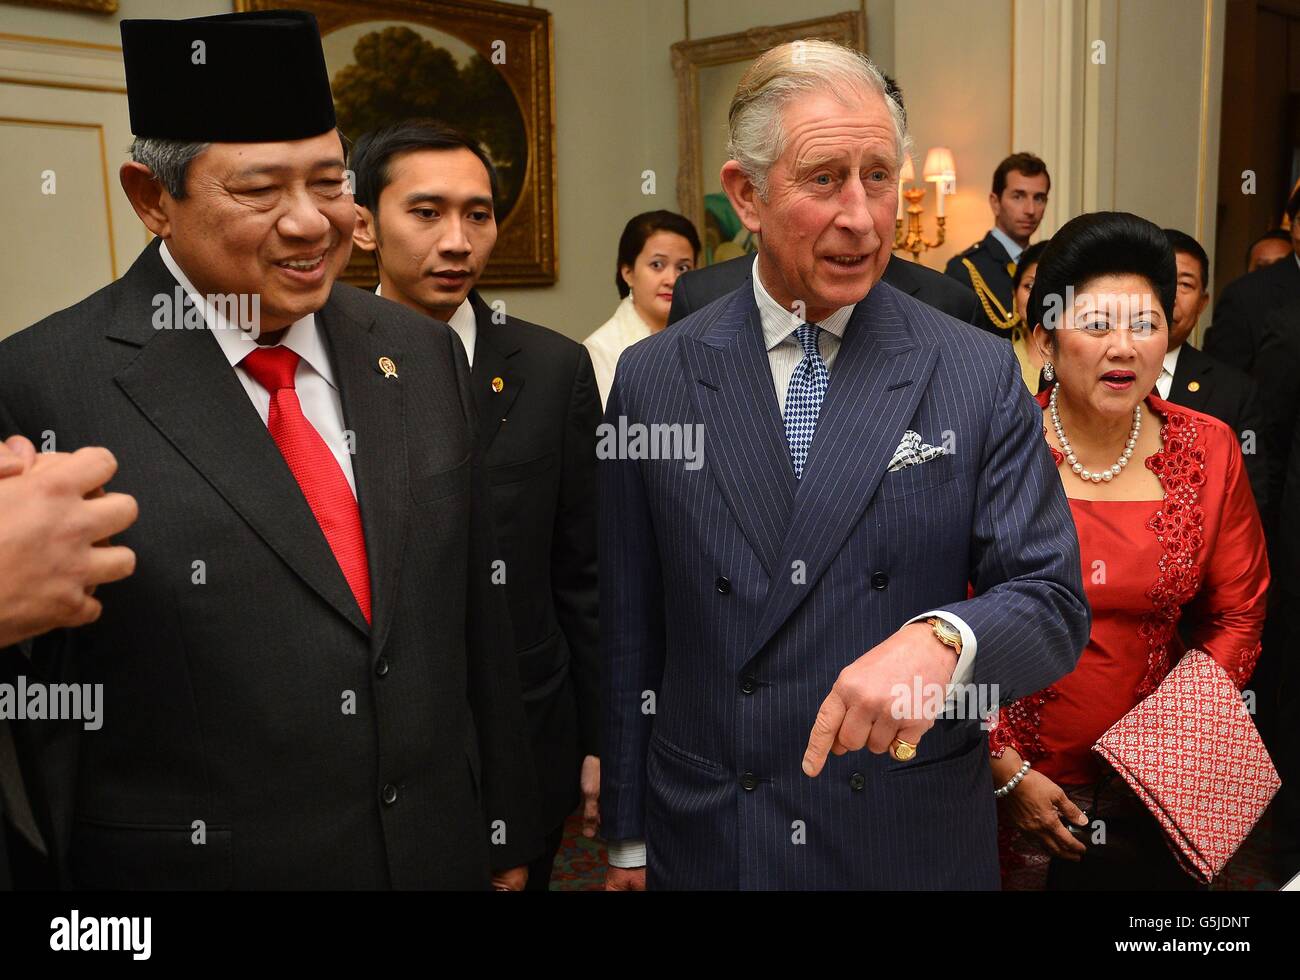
[(902, 751)]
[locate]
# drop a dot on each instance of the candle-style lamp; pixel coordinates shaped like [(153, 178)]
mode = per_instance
[(941, 170)]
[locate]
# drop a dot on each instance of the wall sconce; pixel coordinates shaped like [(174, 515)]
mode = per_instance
[(941, 170)]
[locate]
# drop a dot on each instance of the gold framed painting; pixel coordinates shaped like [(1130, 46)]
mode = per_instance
[(708, 71), (92, 6), (483, 67)]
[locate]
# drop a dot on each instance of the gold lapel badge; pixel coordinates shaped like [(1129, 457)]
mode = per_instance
[(1193, 386), (388, 367), (497, 385)]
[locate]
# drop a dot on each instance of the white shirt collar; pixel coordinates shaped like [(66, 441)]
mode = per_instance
[(1013, 248), (463, 322), (1171, 360), (302, 336), (779, 323)]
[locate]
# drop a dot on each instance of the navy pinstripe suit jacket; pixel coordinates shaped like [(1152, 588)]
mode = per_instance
[(712, 686)]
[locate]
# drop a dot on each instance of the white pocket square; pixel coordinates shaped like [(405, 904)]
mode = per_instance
[(912, 451)]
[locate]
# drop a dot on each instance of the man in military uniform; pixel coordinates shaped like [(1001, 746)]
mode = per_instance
[(1018, 200)]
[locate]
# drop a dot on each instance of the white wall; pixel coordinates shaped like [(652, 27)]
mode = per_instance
[(1136, 144)]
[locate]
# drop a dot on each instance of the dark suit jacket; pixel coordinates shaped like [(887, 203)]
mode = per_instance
[(226, 684), (700, 287), (993, 263), (734, 595), (539, 439), (1278, 371), (1237, 334), (1230, 396)]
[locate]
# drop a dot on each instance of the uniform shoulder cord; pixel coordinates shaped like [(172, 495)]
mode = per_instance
[(988, 299)]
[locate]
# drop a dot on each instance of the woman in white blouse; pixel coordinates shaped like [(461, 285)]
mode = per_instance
[(655, 248)]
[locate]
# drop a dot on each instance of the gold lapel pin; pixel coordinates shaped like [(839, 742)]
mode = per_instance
[(1193, 386), (388, 367), (497, 385)]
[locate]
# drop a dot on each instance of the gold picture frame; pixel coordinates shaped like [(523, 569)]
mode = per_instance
[(488, 43), (690, 57), (90, 6)]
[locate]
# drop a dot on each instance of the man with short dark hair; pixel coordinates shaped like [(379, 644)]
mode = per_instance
[(1238, 330), (1272, 246), (308, 681), (1018, 200), (426, 208), (1199, 381)]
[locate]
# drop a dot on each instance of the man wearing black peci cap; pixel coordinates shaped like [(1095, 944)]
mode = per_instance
[(309, 681)]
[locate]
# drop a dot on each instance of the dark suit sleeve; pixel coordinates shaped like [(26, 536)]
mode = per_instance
[(1278, 371), (1251, 420), (509, 778), (632, 638), (974, 312), (1229, 337), (1028, 611), (573, 554), (682, 306)]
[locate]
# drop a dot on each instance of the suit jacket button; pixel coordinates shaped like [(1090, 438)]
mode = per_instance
[(749, 781), (723, 585), (390, 794), (747, 684), (381, 667), (879, 581), (857, 781)]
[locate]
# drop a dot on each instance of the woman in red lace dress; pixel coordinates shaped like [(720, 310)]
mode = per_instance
[(1168, 530)]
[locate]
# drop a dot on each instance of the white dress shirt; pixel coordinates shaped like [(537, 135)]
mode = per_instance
[(464, 323), (314, 380), (1165, 383), (783, 354)]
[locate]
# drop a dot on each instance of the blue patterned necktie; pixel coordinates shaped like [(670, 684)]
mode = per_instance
[(803, 399)]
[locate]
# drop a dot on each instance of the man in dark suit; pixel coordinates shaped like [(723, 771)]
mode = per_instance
[(425, 196), (699, 288), (1193, 378), (867, 462), (309, 680), (1018, 200), (1237, 334)]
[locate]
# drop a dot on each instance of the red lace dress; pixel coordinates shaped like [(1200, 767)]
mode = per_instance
[(1198, 553)]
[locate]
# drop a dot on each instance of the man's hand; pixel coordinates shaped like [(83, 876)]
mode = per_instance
[(590, 796), (862, 707), (510, 880), (49, 562), (16, 456), (625, 879)]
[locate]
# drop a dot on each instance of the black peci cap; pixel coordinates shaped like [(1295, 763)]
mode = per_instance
[(248, 77)]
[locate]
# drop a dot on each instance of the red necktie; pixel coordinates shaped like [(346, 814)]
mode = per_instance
[(314, 467)]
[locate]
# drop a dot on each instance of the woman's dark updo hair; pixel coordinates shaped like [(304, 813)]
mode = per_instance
[(1028, 259), (641, 228), (1100, 244)]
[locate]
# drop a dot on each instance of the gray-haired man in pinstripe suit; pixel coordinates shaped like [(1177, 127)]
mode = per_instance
[(877, 512)]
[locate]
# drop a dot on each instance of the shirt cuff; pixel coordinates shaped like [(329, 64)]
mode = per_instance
[(626, 853), (964, 672)]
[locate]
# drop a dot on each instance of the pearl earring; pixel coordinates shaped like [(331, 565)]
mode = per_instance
[(1049, 372)]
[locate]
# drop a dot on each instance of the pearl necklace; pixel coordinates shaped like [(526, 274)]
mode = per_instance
[(1105, 476)]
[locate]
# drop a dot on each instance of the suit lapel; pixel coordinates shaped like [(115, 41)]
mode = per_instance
[(730, 379), (1191, 367), (373, 410), (492, 351), (876, 383), (185, 387)]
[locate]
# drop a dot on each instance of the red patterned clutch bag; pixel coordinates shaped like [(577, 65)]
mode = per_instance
[(1191, 753)]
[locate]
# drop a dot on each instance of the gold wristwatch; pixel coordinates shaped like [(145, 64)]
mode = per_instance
[(945, 633)]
